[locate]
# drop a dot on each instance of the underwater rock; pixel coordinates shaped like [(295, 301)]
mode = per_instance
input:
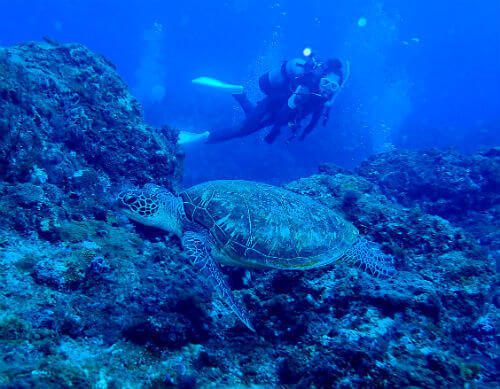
[(135, 301), (464, 189), (67, 120), (444, 183), (66, 268)]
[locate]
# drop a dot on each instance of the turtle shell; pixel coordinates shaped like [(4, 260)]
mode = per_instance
[(260, 225)]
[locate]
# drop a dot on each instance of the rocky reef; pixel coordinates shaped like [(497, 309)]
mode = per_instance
[(464, 189), (448, 184), (70, 132), (88, 299)]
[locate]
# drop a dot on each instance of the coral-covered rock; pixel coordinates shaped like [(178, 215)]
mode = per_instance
[(448, 183), (464, 189), (69, 125)]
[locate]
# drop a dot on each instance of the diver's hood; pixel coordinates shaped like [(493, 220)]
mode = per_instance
[(346, 68)]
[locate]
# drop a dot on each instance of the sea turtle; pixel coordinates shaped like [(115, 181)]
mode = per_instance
[(251, 224)]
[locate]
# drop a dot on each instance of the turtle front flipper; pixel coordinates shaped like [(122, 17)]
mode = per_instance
[(369, 257), (198, 251)]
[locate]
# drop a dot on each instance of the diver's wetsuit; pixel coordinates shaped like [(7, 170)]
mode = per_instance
[(315, 106), (272, 110), (263, 114), (312, 104)]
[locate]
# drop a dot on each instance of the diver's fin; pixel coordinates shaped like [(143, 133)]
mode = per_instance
[(198, 251), (192, 137), (208, 81)]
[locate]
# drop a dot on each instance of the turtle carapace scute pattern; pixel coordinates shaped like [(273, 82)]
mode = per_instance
[(260, 225)]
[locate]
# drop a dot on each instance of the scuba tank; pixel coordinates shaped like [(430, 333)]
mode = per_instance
[(277, 81)]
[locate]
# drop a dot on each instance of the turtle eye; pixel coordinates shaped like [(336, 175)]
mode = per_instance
[(128, 199)]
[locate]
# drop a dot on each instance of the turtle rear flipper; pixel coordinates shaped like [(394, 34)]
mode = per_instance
[(198, 251)]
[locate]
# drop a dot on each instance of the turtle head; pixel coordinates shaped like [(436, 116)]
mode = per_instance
[(153, 206)]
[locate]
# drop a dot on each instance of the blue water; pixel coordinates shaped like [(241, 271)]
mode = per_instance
[(424, 73)]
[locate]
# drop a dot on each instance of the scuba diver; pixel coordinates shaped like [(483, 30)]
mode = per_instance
[(314, 96), (295, 90)]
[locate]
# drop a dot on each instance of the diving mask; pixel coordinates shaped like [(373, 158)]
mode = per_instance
[(328, 87)]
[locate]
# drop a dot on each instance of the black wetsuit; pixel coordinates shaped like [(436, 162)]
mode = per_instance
[(271, 111), (311, 103), (265, 113)]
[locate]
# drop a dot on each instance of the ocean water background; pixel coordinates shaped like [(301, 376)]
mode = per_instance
[(424, 74)]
